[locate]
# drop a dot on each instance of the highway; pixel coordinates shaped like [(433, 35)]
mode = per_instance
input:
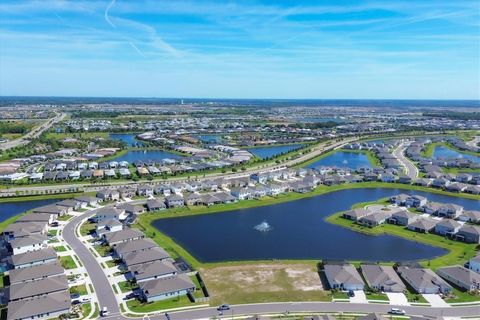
[(410, 169), (35, 133)]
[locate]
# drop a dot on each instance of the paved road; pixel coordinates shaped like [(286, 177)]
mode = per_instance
[(35, 133), (87, 187), (474, 142), (410, 169), (103, 290)]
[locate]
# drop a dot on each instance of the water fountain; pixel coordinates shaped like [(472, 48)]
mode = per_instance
[(263, 227)]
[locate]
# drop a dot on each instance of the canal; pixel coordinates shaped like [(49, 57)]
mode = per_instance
[(297, 230)]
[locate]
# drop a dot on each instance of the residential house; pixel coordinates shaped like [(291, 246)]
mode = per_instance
[(152, 270), (31, 242), (423, 281), (121, 236), (174, 201), (474, 263), (422, 225), (460, 277), (447, 227), (145, 256), (469, 233), (155, 205), (165, 288), (34, 273), (415, 201), (33, 258), (375, 219), (108, 195), (450, 210), (31, 289), (343, 277), (110, 213), (403, 217), (356, 214), (47, 306), (382, 278)]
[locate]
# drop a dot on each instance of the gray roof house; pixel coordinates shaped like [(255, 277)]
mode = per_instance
[(116, 237), (32, 258), (53, 209), (152, 270), (447, 227), (160, 289), (131, 208), (23, 229), (133, 246), (51, 305), (174, 200), (155, 205), (450, 210), (461, 277), (356, 214), (404, 217), (37, 272), (343, 277), (422, 225), (37, 288), (145, 256), (375, 219), (469, 233), (424, 280), (382, 278)]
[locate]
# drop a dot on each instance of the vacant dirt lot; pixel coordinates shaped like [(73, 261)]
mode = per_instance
[(263, 282)]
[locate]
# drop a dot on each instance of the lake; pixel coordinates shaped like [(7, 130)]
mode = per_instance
[(128, 138), (144, 155), (298, 231), (343, 159), (210, 138), (272, 151), (442, 152), (10, 209)]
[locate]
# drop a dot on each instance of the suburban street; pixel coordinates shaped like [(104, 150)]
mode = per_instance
[(103, 289), (410, 169), (36, 132)]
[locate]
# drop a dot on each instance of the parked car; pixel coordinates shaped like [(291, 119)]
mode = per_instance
[(223, 307), (396, 311), (351, 293), (75, 296)]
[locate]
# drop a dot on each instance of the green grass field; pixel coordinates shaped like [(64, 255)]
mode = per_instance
[(67, 262)]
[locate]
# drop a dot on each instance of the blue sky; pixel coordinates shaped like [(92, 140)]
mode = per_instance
[(241, 49)]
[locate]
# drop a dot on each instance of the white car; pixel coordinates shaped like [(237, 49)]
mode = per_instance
[(104, 312), (397, 311)]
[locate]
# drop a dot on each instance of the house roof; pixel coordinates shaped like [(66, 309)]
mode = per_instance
[(157, 287), (422, 278), (29, 308), (343, 274), (33, 256), (123, 235), (461, 274), (28, 240), (38, 287), (139, 257), (382, 276), (423, 223), (35, 272), (134, 245), (152, 269)]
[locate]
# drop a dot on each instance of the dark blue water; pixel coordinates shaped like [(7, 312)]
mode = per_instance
[(298, 231), (442, 152), (210, 138), (144, 155), (343, 159), (128, 138), (272, 151), (10, 209)]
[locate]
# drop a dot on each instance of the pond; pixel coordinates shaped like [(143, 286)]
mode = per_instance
[(144, 155), (272, 151), (10, 209), (128, 138), (343, 159), (297, 230), (442, 152), (210, 138)]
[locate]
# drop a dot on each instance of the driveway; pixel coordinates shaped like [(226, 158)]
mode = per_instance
[(397, 298), (435, 300), (359, 297)]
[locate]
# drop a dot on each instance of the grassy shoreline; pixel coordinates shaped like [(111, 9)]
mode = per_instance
[(145, 221)]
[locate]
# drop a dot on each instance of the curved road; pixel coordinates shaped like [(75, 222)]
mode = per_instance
[(106, 296), (410, 169), (103, 289)]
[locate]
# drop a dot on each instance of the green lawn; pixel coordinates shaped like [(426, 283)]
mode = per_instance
[(414, 297), (67, 262), (377, 296), (338, 294), (462, 296), (127, 286), (87, 228), (60, 249), (65, 217), (52, 233), (103, 250), (2, 281), (110, 263), (137, 306), (81, 290), (86, 309)]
